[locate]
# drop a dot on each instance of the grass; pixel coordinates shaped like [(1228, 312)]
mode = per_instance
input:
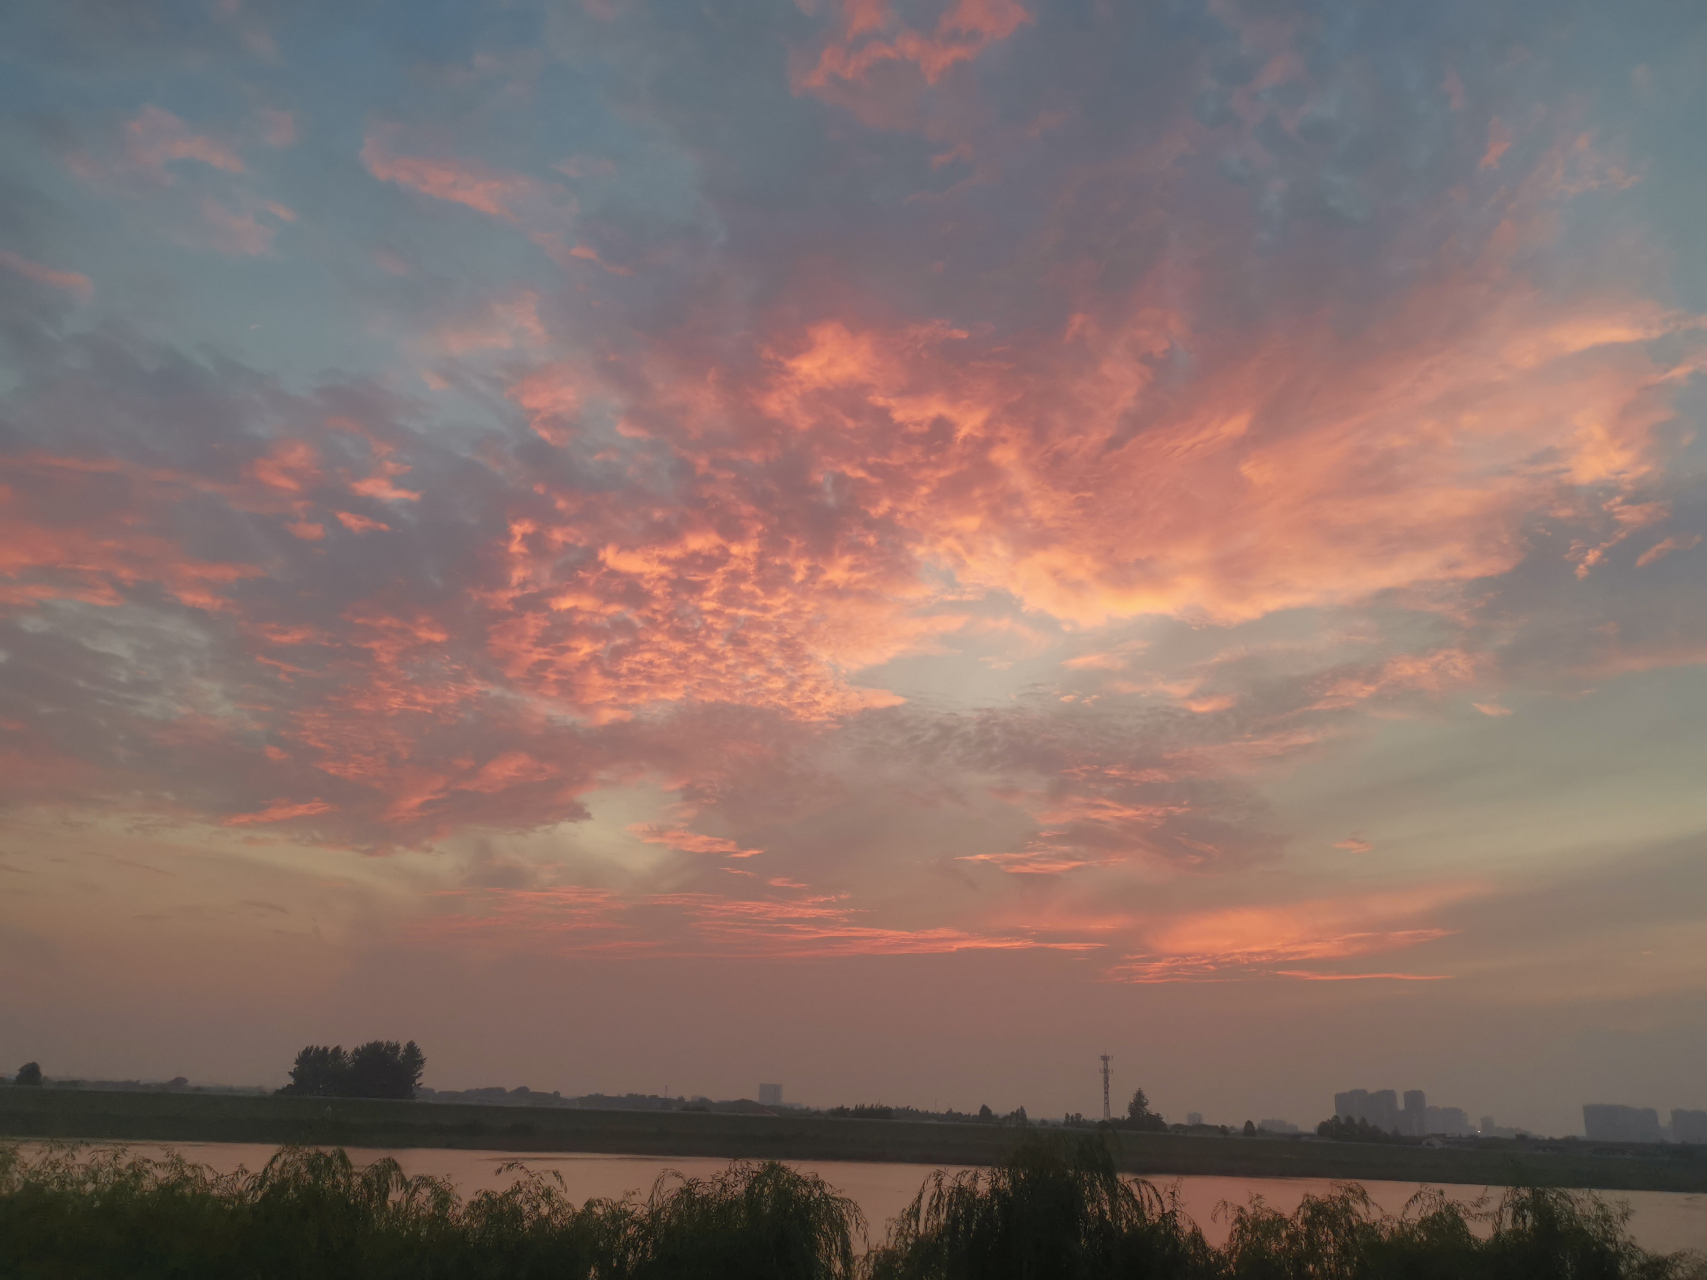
[(155, 1117), (1056, 1210)]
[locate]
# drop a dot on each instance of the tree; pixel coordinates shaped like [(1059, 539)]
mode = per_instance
[(1139, 1115), (1250, 1129), (385, 1069), (984, 1112), (321, 1071), (377, 1069), (29, 1074)]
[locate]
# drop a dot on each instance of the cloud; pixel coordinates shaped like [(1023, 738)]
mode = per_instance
[(71, 281), (278, 128), (1241, 941), (582, 921), (1661, 549), (154, 138), (495, 192), (279, 811), (690, 841), (978, 495), (869, 35)]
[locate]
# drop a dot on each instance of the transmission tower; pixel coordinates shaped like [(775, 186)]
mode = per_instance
[(1105, 1111)]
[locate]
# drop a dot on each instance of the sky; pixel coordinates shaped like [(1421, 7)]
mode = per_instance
[(892, 546)]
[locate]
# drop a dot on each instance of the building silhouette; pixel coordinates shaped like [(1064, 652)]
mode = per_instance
[(1689, 1126), (770, 1095), (1604, 1122), (1416, 1119)]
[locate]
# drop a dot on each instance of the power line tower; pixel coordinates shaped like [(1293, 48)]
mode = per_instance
[(1105, 1111)]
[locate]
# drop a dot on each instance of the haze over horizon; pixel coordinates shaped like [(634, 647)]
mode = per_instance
[(887, 546)]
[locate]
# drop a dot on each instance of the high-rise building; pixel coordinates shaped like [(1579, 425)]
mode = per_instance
[(1450, 1122), (1606, 1123), (1689, 1126), (770, 1095), (1353, 1104), (1384, 1110), (1414, 1121), (1196, 1117)]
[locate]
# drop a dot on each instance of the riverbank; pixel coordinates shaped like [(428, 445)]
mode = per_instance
[(153, 1117)]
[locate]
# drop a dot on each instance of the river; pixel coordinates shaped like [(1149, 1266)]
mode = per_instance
[(1662, 1221)]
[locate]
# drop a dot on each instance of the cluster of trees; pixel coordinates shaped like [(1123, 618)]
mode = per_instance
[(1139, 1117), (864, 1111), (377, 1069), (29, 1074), (1345, 1129)]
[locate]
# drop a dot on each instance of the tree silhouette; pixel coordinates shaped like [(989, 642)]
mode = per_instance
[(1139, 1115), (321, 1071), (29, 1074), (377, 1069), (385, 1069)]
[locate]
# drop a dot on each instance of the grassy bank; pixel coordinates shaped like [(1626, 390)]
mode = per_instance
[(1056, 1210), (153, 1117)]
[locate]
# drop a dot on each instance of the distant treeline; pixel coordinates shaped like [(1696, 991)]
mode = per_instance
[(1344, 1129), (377, 1069), (1056, 1211)]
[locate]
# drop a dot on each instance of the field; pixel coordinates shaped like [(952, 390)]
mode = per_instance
[(156, 1117)]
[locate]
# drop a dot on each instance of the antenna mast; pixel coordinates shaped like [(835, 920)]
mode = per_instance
[(1105, 1111)]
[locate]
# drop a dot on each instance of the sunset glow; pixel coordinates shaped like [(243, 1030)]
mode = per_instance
[(893, 546)]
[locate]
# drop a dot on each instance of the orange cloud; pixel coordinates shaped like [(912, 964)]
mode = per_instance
[(1243, 941), (1660, 550), (507, 770), (690, 841), (360, 524)]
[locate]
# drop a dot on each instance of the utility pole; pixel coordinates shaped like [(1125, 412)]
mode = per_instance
[(1105, 1111)]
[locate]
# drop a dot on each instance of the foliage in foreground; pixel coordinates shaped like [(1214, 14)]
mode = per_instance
[(1057, 1210)]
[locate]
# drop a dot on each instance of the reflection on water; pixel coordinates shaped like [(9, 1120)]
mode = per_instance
[(1664, 1221)]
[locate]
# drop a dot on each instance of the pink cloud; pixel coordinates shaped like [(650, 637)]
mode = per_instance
[(690, 841), (574, 920), (70, 281), (279, 811), (510, 769), (360, 524), (1660, 550), (472, 183), (154, 137), (869, 35), (1227, 943), (278, 128)]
